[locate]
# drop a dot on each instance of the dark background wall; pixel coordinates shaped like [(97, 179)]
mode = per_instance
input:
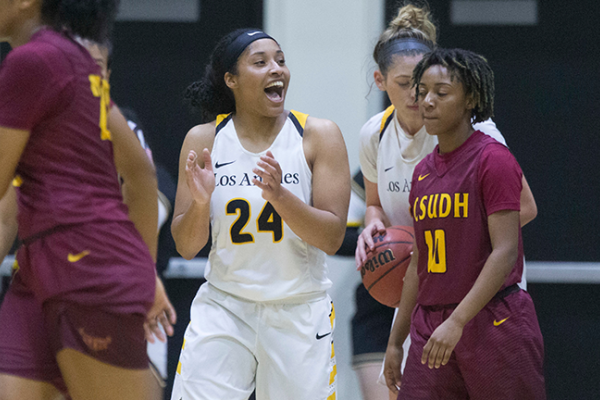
[(546, 107), (154, 62)]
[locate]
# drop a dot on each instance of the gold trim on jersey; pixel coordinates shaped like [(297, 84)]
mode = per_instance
[(301, 117), (221, 121), (386, 118)]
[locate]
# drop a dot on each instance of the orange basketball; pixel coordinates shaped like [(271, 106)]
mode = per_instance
[(383, 271)]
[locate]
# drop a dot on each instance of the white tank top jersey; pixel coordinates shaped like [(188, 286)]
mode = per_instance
[(388, 157), (254, 254)]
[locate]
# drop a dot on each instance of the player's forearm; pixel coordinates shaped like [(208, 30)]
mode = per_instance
[(528, 206), (374, 213), (140, 195), (490, 280), (7, 238), (320, 228), (408, 301), (190, 230)]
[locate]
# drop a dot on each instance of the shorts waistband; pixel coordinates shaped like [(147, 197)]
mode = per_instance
[(298, 299), (498, 296)]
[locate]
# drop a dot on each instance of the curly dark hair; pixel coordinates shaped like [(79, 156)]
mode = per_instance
[(90, 19), (210, 94), (469, 68)]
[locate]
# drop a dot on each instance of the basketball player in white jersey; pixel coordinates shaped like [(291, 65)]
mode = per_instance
[(393, 142), (273, 185)]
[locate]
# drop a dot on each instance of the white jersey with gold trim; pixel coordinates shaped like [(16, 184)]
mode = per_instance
[(254, 254)]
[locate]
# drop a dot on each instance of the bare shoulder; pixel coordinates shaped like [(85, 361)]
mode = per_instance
[(321, 126), (200, 137), (322, 136)]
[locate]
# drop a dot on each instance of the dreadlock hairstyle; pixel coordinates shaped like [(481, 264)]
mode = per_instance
[(210, 94), (89, 19), (412, 24), (469, 68)]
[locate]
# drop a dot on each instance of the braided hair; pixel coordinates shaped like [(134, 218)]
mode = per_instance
[(469, 68)]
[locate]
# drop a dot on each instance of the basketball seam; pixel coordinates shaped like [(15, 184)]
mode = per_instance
[(387, 272)]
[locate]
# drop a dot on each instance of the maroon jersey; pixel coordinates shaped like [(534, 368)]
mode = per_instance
[(451, 197), (66, 175), (80, 245)]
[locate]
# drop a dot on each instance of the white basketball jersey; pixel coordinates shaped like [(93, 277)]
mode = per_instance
[(388, 157), (254, 254)]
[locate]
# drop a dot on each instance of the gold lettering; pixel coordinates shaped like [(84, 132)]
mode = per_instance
[(431, 208), (461, 204), (445, 205), (414, 210), (423, 208)]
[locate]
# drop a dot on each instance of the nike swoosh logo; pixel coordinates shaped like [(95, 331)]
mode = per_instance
[(76, 257), (421, 177), (319, 337), (387, 169), (253, 33), (496, 323), (217, 165)]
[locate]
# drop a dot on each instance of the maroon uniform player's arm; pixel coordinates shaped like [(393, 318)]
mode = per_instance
[(12, 144), (8, 221), (139, 179)]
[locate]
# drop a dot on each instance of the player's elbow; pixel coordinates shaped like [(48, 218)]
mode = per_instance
[(528, 213), (331, 246), (186, 253)]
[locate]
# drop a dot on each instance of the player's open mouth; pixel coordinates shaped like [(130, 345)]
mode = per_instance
[(274, 91)]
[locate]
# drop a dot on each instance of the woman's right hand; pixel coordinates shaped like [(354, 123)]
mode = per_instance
[(365, 241), (200, 181), (391, 367)]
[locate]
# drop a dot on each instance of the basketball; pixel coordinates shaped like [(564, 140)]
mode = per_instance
[(383, 271)]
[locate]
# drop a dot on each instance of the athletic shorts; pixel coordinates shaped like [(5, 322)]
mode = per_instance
[(371, 327), (233, 346), (499, 356), (25, 349), (31, 335)]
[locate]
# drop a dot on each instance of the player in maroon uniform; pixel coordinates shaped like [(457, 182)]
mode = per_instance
[(89, 268), (474, 333)]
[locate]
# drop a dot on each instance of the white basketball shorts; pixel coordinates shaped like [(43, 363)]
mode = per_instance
[(233, 346)]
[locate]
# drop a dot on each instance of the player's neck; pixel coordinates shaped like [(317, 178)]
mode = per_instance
[(24, 31), (257, 132), (452, 140)]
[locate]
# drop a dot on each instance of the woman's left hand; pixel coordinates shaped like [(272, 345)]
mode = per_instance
[(162, 314), (269, 171), (441, 344)]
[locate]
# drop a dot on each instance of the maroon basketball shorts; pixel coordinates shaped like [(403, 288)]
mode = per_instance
[(31, 335), (499, 356), (24, 341)]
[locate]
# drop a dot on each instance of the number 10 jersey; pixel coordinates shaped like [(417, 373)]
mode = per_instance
[(254, 254)]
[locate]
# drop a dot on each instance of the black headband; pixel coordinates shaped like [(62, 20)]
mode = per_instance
[(237, 47), (403, 45)]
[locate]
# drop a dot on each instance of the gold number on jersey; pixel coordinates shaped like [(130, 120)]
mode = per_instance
[(101, 88), (436, 244), (267, 221)]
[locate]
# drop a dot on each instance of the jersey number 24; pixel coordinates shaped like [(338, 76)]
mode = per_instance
[(268, 221)]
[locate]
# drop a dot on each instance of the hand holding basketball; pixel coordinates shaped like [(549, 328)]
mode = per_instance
[(365, 241), (384, 269)]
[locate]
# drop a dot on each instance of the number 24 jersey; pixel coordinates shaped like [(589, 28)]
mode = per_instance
[(254, 254)]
